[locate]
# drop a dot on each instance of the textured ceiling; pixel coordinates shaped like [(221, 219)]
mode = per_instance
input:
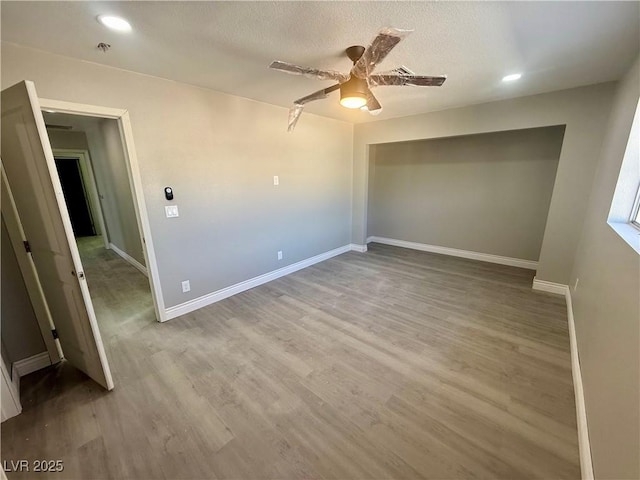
[(227, 46)]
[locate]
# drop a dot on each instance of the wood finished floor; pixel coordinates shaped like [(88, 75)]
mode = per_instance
[(389, 364)]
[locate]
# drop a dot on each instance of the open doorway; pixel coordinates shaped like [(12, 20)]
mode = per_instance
[(75, 193), (92, 165), (130, 181)]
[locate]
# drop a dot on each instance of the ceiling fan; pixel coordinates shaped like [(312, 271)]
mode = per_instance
[(355, 86)]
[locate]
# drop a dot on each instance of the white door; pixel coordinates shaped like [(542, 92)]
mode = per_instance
[(30, 169)]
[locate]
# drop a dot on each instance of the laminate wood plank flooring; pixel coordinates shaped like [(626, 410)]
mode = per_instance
[(389, 364)]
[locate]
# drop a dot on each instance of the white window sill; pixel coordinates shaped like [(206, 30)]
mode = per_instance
[(629, 234)]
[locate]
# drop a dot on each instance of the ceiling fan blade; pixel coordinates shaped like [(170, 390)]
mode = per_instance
[(319, 95), (298, 105), (373, 105), (294, 115), (378, 50), (398, 80), (309, 72)]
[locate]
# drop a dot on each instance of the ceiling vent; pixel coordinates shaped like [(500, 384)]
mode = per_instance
[(402, 70)]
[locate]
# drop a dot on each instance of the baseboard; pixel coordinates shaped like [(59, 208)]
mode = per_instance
[(31, 364), (550, 287), (584, 445), (454, 252), (358, 248), (208, 299), (129, 259)]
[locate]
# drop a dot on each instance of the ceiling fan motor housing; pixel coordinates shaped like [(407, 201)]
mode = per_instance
[(353, 88), (355, 52)]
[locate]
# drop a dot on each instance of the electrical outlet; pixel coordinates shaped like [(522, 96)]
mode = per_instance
[(276, 180), (280, 255), (186, 286)]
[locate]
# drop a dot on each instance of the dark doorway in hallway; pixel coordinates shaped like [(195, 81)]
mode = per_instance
[(75, 196)]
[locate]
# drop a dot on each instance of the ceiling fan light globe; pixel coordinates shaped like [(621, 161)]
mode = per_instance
[(353, 102)]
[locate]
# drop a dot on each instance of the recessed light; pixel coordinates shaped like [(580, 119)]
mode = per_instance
[(511, 78), (114, 23)]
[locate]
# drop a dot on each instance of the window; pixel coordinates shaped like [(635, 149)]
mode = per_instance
[(635, 213), (624, 216)]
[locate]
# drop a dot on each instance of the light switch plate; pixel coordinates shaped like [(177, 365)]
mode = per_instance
[(276, 180), (171, 211)]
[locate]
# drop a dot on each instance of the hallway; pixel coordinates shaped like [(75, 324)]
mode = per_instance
[(122, 306)]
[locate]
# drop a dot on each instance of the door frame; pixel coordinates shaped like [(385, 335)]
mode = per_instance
[(135, 184), (91, 186), (10, 394)]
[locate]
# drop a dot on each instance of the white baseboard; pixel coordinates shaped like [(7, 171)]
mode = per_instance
[(454, 252), (208, 299), (584, 445), (358, 248), (31, 364), (550, 287), (130, 259)]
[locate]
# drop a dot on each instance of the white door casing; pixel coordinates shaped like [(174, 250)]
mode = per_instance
[(135, 184), (9, 395)]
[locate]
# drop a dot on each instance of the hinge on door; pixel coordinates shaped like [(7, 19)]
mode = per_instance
[(54, 332), (27, 247)]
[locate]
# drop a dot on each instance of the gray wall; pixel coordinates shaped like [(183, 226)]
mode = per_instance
[(487, 193), (583, 110), (219, 152), (606, 307), (21, 336), (110, 169)]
